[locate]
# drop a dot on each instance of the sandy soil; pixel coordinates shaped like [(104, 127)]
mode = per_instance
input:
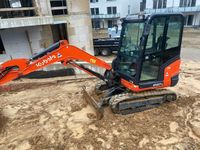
[(191, 38), (44, 114)]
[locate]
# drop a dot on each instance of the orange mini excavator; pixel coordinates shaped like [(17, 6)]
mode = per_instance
[(147, 62)]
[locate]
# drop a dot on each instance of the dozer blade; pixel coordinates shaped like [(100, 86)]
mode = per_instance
[(98, 108)]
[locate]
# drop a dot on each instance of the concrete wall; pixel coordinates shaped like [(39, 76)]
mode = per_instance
[(44, 7), (16, 43), (78, 6), (47, 36), (79, 25), (25, 42), (196, 20)]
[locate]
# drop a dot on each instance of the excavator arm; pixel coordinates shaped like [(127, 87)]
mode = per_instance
[(58, 52)]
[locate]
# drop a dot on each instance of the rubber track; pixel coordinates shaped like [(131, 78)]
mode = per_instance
[(137, 98)]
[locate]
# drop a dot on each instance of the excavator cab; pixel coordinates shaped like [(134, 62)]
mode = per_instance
[(148, 45), (148, 61)]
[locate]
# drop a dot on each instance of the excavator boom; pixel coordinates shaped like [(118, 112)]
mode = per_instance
[(59, 52)]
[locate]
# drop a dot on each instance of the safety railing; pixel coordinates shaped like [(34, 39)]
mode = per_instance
[(106, 16), (173, 9)]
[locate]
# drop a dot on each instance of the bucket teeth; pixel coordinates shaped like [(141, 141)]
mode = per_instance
[(98, 108)]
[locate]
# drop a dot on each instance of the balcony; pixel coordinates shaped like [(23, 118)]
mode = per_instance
[(174, 9), (18, 13), (106, 16)]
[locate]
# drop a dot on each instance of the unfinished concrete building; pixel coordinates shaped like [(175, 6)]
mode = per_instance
[(29, 26)]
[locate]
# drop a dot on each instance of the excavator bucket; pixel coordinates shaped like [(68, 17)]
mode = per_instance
[(97, 107)]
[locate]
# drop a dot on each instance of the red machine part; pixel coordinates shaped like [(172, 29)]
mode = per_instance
[(169, 72)]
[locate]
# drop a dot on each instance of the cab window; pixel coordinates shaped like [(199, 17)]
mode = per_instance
[(173, 33), (155, 37), (152, 56), (129, 51)]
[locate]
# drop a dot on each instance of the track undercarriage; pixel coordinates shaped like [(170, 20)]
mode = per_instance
[(124, 102)]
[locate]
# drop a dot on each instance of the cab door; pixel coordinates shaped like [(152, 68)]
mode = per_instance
[(152, 57), (156, 49)]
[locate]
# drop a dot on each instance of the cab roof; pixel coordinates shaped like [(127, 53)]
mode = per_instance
[(134, 18)]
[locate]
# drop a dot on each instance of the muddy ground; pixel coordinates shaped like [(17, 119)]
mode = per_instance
[(51, 114)]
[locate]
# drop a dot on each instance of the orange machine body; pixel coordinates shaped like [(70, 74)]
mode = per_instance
[(170, 71), (66, 53)]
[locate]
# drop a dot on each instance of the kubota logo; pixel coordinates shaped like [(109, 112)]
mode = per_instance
[(46, 61)]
